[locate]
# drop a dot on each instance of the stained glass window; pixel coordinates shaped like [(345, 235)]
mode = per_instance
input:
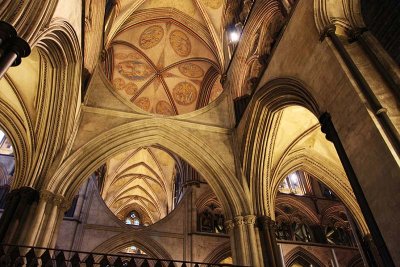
[(132, 218)]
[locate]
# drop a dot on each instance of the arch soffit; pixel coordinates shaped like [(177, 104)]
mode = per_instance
[(59, 44), (270, 98), (145, 133), (262, 118), (59, 48)]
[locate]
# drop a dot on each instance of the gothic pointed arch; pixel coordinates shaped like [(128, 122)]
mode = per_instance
[(261, 124), (219, 254), (119, 242), (302, 255), (53, 100), (195, 151), (310, 216)]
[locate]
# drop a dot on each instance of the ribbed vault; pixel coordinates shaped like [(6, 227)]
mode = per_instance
[(140, 180), (159, 56)]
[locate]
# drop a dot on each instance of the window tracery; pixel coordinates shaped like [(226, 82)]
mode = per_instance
[(132, 218), (317, 217)]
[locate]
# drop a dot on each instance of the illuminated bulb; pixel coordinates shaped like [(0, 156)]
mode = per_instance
[(234, 36)]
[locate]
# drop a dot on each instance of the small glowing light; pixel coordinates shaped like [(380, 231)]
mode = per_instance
[(294, 178), (234, 36)]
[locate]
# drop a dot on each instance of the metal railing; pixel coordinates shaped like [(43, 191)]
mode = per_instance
[(18, 255)]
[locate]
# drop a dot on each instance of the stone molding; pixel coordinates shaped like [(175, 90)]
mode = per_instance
[(250, 219)]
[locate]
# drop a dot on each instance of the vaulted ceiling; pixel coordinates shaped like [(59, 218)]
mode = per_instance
[(165, 57), (140, 180)]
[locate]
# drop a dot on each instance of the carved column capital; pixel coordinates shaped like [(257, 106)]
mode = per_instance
[(46, 195), (229, 225), (60, 202), (249, 219), (238, 220)]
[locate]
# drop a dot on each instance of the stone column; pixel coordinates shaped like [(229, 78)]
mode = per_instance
[(15, 218), (249, 221), (328, 128), (229, 225), (239, 233), (269, 246), (382, 61), (243, 240), (38, 220), (61, 206), (51, 219)]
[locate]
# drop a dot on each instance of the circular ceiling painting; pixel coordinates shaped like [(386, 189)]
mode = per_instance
[(162, 68)]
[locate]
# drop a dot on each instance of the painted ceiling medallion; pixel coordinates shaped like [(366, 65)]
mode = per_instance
[(184, 93), (143, 103), (118, 83), (164, 108), (134, 70), (130, 88), (180, 43), (151, 36), (127, 56), (214, 4), (191, 70)]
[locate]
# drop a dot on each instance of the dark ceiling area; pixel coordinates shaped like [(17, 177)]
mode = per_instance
[(382, 18)]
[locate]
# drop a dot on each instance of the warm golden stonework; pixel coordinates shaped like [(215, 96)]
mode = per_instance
[(200, 133)]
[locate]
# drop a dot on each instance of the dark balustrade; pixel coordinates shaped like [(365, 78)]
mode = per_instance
[(13, 256)]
